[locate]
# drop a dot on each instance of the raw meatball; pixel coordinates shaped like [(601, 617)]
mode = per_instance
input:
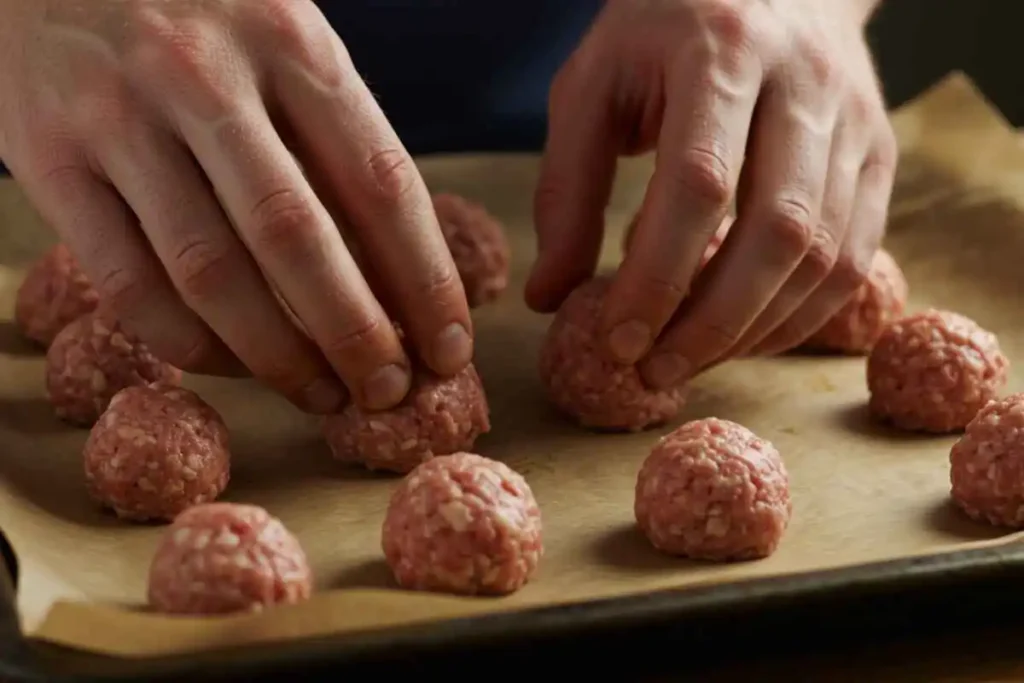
[(933, 371), (92, 359), (54, 292), (713, 246), (878, 302), (439, 416), (463, 524), (478, 246), (224, 557), (713, 490), (156, 451), (987, 464), (582, 383)]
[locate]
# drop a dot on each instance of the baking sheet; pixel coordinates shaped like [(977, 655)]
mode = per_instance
[(861, 493)]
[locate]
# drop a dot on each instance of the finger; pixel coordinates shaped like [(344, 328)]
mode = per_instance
[(380, 190), (576, 175), (103, 233), (867, 228), (837, 204), (710, 102), (298, 248), (211, 268), (773, 231)]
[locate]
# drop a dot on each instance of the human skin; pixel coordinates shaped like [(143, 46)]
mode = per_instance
[(771, 103), (158, 138)]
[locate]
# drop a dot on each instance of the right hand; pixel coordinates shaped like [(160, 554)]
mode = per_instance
[(151, 135)]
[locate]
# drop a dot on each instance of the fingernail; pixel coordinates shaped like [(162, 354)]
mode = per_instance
[(325, 396), (385, 387), (629, 341), (665, 370), (453, 349)]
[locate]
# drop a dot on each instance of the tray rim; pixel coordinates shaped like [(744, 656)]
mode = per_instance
[(922, 584)]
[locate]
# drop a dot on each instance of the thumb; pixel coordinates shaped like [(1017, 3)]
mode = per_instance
[(576, 176)]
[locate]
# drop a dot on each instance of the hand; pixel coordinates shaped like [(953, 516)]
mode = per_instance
[(151, 134), (771, 102)]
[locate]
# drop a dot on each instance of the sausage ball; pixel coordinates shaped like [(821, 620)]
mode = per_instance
[(92, 359), (713, 490), (597, 392), (933, 371), (220, 558), (478, 245), (54, 292), (439, 416), (156, 451), (880, 300), (987, 464), (463, 524)]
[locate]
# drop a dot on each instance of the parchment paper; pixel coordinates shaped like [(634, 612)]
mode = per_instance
[(861, 493)]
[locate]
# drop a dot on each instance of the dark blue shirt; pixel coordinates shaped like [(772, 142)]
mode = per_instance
[(462, 75)]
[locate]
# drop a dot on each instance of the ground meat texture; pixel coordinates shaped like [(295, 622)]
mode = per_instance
[(933, 371), (713, 246), (858, 325), (713, 490), (221, 558), (478, 245), (54, 293), (463, 524), (583, 384), (439, 416), (156, 451), (91, 360), (987, 464)]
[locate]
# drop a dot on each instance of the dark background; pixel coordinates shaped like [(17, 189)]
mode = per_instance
[(916, 42)]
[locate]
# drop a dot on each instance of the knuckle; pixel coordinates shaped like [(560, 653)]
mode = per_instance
[(441, 285), (125, 289), (860, 107), (850, 271), (653, 287), (703, 175), (822, 254), (719, 335), (287, 20), (282, 220), (884, 155), (790, 226), (820, 63), (731, 23), (358, 341), (192, 354), (390, 175), (201, 270)]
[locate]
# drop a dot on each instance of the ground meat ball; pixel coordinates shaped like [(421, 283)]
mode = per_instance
[(713, 246), (933, 371), (220, 558), (156, 451), (478, 246), (91, 360), (54, 292), (582, 383), (463, 524), (438, 417), (987, 464), (713, 490), (878, 302)]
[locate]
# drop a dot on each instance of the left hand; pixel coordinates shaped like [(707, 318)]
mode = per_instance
[(773, 103)]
